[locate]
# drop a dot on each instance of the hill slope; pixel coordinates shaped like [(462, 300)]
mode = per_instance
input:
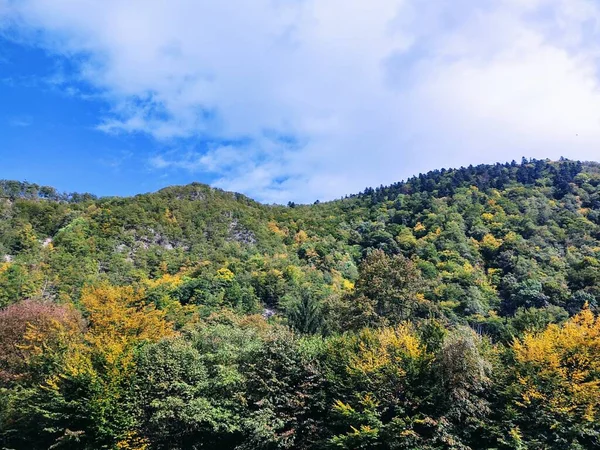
[(485, 238), (455, 310)]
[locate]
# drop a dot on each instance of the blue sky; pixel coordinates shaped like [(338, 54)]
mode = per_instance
[(290, 99), (49, 131)]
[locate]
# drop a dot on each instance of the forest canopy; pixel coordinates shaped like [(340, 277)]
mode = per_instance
[(455, 310)]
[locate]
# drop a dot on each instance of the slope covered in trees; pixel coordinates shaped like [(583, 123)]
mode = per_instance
[(457, 309)]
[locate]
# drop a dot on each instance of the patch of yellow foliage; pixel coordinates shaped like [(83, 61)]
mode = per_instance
[(559, 369), (347, 285), (468, 268), (367, 402), (43, 339), (301, 237), (118, 316), (166, 279), (488, 217), (224, 274), (419, 227), (489, 242), (169, 217), (584, 211), (118, 321), (132, 441), (386, 348), (340, 284), (274, 228)]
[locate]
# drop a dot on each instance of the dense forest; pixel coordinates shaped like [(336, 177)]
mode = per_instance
[(455, 310)]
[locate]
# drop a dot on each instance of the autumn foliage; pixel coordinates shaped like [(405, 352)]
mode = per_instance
[(557, 381), (31, 329)]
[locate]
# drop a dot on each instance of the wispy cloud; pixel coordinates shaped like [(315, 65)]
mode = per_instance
[(262, 167), (115, 160), (20, 121), (366, 93)]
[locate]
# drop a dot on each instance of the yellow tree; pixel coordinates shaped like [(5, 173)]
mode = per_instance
[(119, 320), (100, 368), (557, 382), (380, 365)]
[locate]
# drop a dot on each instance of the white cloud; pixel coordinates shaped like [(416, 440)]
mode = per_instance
[(313, 99)]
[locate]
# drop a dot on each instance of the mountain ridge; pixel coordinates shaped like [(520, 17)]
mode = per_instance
[(14, 188)]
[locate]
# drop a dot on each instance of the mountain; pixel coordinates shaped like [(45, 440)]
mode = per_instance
[(489, 238), (471, 265)]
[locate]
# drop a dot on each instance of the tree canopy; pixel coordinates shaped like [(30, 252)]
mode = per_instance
[(455, 310)]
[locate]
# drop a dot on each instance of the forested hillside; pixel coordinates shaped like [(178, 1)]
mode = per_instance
[(455, 310)]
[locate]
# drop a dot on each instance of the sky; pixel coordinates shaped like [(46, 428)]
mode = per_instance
[(290, 100)]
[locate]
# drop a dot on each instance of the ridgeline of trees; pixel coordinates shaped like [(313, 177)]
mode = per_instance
[(455, 310)]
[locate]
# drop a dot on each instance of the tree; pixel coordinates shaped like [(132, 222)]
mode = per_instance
[(182, 402), (285, 393), (462, 375), (393, 284), (376, 378), (553, 385), (86, 402), (304, 311), (32, 334)]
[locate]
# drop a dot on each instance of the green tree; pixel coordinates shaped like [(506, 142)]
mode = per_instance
[(394, 285)]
